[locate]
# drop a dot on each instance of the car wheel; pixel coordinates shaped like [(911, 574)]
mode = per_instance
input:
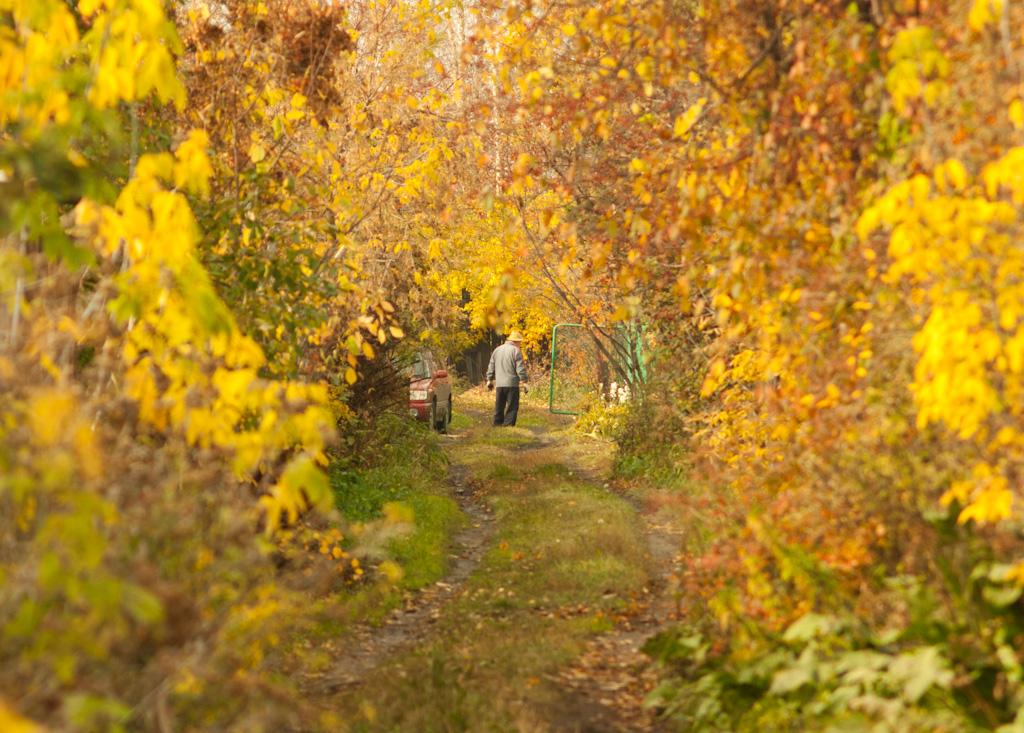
[(440, 419)]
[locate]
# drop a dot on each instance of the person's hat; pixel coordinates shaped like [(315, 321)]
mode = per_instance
[(515, 336)]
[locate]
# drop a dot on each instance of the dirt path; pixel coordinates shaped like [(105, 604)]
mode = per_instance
[(605, 687), (438, 656), (412, 624)]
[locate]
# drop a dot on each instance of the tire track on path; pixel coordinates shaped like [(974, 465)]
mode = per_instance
[(605, 687), (412, 624)]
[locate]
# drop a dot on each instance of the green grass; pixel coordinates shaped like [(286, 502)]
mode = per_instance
[(502, 472), (553, 470), (529, 418), (406, 467), (403, 462), (504, 438), (460, 421), (422, 553), (654, 470)]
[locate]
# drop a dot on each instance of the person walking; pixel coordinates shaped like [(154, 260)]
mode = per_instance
[(507, 370)]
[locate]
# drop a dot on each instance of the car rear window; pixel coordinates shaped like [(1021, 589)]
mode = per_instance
[(420, 368)]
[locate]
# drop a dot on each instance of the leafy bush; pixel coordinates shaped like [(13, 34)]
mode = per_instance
[(602, 419), (159, 454), (930, 670)]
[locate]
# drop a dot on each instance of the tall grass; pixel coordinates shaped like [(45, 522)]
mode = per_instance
[(402, 470)]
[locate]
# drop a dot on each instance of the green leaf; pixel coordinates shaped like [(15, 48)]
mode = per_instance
[(64, 666), (90, 712), (671, 646), (303, 474), (1001, 596), (919, 670), (840, 698), (862, 659), (763, 667), (25, 620), (49, 571), (789, 680), (1015, 726), (39, 216), (809, 626), (142, 605), (999, 572)]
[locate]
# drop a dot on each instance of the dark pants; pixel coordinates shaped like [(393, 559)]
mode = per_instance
[(506, 405)]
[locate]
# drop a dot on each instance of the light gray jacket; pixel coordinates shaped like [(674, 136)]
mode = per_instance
[(507, 368)]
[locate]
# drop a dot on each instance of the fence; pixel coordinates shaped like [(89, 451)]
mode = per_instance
[(593, 362)]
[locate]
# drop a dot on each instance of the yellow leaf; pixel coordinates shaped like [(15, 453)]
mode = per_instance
[(350, 375), (367, 350), (958, 491), (302, 485), (11, 722), (192, 168), (396, 332), (933, 90), (569, 29), (49, 414), (89, 457), (298, 101), (685, 121), (983, 12), (989, 506), (77, 159), (391, 570), (957, 174), (1017, 113), (257, 153)]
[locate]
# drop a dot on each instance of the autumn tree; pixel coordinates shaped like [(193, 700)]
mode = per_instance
[(156, 437), (812, 206)]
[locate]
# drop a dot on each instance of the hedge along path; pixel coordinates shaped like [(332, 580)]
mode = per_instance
[(543, 634)]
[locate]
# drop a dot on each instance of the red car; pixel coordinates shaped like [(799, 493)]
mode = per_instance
[(430, 391)]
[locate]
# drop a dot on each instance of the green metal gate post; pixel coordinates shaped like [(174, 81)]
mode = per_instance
[(554, 349)]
